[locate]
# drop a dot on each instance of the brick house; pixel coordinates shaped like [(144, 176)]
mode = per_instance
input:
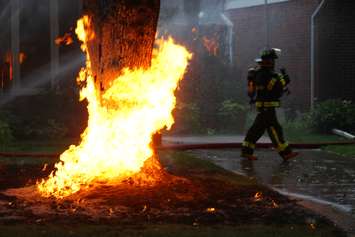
[(316, 38), (289, 29)]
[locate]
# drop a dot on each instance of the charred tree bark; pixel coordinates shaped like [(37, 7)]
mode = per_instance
[(125, 32)]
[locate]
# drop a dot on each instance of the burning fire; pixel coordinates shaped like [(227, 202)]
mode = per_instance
[(66, 39), (122, 120), (211, 45), (9, 60), (21, 57)]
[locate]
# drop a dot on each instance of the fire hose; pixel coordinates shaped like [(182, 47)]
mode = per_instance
[(182, 147)]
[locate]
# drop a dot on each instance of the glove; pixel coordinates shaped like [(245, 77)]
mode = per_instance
[(285, 76)]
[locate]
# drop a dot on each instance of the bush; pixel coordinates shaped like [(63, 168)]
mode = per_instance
[(333, 114), (300, 122), (52, 130), (232, 116), (187, 119), (55, 130), (6, 135)]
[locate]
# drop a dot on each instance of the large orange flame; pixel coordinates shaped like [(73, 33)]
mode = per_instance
[(116, 143)]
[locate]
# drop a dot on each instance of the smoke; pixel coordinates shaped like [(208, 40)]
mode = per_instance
[(35, 40), (4, 13), (42, 76), (35, 16)]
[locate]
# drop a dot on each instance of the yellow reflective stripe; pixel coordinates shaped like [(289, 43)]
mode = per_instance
[(276, 137), (271, 84), (283, 82), (280, 146), (267, 104), (248, 144)]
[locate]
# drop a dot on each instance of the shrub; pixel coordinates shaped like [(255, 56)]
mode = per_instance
[(231, 116), (51, 129), (300, 122), (331, 114), (187, 118), (6, 135), (55, 130)]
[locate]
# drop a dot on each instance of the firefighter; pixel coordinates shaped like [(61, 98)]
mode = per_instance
[(265, 88)]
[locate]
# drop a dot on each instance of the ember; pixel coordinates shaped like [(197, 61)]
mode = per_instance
[(122, 120), (274, 204), (258, 196), (211, 210), (45, 167)]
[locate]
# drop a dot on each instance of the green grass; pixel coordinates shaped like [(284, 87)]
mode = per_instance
[(188, 164), (37, 146), (41, 147), (345, 150), (182, 160), (303, 135), (162, 231)]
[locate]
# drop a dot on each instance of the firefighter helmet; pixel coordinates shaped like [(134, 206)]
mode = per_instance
[(270, 53), (265, 54)]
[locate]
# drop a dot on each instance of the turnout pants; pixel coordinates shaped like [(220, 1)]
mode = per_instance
[(265, 120)]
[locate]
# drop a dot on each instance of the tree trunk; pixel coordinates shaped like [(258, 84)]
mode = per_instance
[(125, 33)]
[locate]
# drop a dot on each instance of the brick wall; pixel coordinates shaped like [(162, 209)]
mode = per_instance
[(290, 30), (335, 51)]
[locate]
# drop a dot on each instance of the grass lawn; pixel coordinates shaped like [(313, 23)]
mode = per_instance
[(301, 135), (346, 150), (37, 146)]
